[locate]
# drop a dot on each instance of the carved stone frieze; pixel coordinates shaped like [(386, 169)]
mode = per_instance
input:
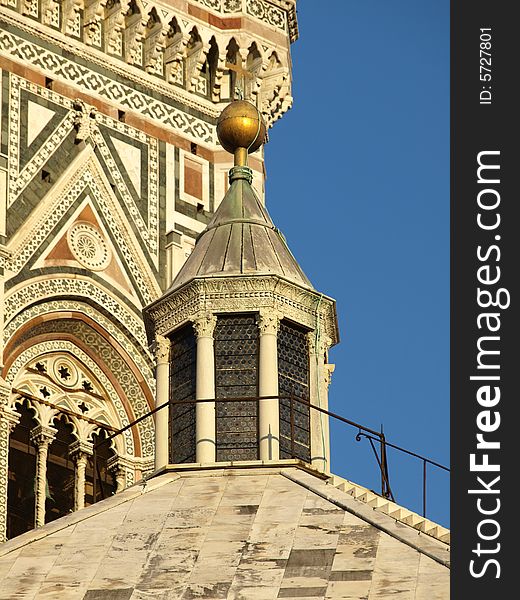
[(141, 47), (245, 294)]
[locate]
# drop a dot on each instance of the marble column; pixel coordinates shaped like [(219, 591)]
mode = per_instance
[(269, 408), (80, 452), (162, 394), (8, 421), (41, 437), (320, 373), (205, 429)]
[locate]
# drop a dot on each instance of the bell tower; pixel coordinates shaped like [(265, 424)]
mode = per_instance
[(241, 335)]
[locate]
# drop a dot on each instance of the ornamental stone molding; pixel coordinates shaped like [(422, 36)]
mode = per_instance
[(244, 294), (84, 120), (149, 43)]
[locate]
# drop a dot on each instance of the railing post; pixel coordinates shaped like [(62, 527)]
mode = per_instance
[(293, 452), (94, 474), (424, 488)]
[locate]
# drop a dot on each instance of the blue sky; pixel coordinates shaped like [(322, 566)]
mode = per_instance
[(358, 182)]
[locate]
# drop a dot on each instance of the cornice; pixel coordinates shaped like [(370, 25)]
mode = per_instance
[(242, 294), (101, 59)]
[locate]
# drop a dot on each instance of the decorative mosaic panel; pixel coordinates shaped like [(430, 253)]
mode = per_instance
[(293, 381), (182, 387), (236, 375)]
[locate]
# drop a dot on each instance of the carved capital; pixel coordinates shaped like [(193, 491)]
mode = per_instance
[(268, 322), (328, 369), (9, 419), (80, 450), (205, 325), (319, 346), (42, 435), (162, 349), (123, 469)]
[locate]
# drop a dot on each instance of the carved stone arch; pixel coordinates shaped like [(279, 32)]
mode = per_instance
[(196, 51), (154, 43), (135, 25), (254, 64), (100, 352), (30, 294), (90, 314), (176, 43), (16, 402), (85, 411), (114, 24), (229, 79)]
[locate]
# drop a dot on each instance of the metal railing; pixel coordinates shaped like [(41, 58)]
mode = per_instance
[(373, 436)]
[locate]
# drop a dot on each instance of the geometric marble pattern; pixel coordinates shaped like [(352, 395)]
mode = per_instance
[(38, 117), (131, 155), (238, 534), (92, 82), (27, 158)]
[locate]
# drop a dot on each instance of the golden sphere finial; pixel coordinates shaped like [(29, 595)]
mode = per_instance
[(240, 126)]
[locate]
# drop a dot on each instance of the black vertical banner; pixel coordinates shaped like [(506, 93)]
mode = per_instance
[(485, 269)]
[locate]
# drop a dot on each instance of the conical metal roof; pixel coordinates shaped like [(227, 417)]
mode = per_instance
[(240, 239)]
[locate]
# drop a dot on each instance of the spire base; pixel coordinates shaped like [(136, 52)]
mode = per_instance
[(240, 172)]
